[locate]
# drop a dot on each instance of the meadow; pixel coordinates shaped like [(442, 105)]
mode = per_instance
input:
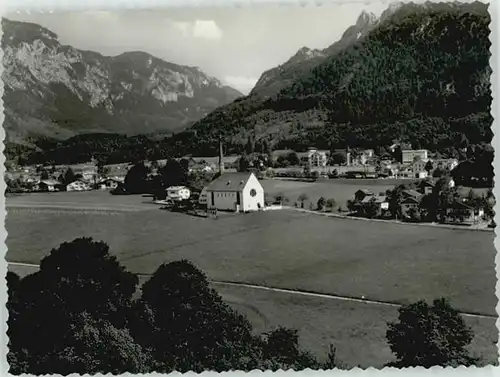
[(341, 190), (283, 249)]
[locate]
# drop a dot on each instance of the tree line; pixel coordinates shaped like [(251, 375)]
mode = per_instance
[(83, 312)]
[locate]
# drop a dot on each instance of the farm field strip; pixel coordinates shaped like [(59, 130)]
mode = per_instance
[(367, 301), (201, 240), (286, 250), (69, 209)]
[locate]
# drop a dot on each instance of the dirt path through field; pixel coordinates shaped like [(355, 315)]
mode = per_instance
[(33, 267)]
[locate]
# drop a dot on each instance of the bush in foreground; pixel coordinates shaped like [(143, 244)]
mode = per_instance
[(428, 335), (79, 286)]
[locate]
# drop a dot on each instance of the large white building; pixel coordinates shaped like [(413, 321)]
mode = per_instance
[(240, 192), (313, 158), (410, 155)]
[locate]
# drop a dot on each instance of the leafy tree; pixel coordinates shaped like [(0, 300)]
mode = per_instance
[(321, 204), (44, 174), (353, 206), (250, 146), (136, 178), (186, 323), (243, 164), (13, 185), (330, 203), (184, 163), (429, 166), (414, 214), (332, 361), (78, 278), (95, 346), (337, 159), (174, 173), (438, 173), (282, 343), (293, 159), (69, 177), (371, 209), (102, 170), (282, 162), (428, 335), (302, 198), (282, 347), (281, 198)]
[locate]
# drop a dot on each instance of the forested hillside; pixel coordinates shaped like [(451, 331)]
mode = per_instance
[(420, 76)]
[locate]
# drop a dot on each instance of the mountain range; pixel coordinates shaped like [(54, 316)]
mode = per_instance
[(419, 74), (57, 91)]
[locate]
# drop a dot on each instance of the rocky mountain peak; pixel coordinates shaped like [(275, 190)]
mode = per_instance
[(306, 53), (57, 87), (391, 9), (366, 19)]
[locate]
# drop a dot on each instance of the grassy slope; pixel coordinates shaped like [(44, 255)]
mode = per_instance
[(387, 262), (282, 249)]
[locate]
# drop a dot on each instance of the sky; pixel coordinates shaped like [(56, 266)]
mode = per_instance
[(234, 44)]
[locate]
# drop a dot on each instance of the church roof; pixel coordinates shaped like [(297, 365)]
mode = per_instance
[(230, 182)]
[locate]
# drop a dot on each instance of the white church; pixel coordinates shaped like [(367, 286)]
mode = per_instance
[(239, 192)]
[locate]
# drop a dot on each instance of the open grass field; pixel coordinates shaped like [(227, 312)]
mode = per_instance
[(339, 189), (283, 249), (356, 329)]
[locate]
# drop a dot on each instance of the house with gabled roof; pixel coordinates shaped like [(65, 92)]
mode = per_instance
[(379, 201), (78, 185), (426, 186), (361, 194), (49, 185), (459, 212), (411, 193), (411, 201), (109, 183), (239, 192)]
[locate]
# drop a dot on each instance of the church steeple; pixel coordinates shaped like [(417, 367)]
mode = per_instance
[(221, 157), (348, 155)]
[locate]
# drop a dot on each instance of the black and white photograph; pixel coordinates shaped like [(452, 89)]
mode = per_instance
[(255, 187)]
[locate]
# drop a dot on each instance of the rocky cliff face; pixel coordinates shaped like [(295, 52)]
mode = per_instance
[(59, 91)]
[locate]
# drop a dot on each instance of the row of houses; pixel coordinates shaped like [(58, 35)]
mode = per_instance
[(410, 206), (53, 185), (418, 169)]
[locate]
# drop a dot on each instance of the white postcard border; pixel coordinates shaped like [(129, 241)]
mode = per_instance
[(75, 5)]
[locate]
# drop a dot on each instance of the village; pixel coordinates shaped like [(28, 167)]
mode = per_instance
[(424, 188)]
